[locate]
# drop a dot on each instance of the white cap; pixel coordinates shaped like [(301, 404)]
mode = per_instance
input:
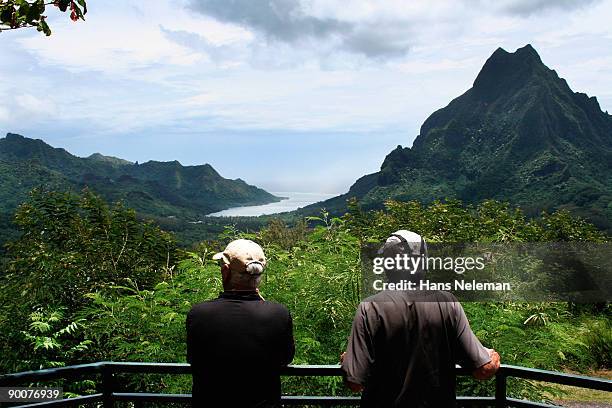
[(243, 255)]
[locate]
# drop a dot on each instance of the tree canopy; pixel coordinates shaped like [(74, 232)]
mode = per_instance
[(16, 14)]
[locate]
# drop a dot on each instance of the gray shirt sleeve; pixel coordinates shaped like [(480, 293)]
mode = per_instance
[(470, 352), (360, 355)]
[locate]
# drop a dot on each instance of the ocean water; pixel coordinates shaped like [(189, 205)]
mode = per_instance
[(293, 202)]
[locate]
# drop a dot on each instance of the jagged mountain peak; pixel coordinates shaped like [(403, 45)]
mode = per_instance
[(506, 71), (15, 146), (17, 139), (519, 134), (527, 51), (516, 91), (523, 56)]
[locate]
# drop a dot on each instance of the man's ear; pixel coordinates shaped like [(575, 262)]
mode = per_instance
[(225, 272)]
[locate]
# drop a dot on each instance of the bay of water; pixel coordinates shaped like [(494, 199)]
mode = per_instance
[(292, 202)]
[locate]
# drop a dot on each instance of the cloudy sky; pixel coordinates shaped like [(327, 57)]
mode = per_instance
[(291, 95)]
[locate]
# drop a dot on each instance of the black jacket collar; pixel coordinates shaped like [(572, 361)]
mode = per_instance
[(240, 295)]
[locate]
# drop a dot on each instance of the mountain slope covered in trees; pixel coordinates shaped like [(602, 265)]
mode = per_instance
[(154, 189), (519, 134)]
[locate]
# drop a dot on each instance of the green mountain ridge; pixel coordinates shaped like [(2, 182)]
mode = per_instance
[(108, 159), (155, 189), (520, 134)]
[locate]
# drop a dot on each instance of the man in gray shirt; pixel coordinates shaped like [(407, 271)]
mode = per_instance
[(403, 349)]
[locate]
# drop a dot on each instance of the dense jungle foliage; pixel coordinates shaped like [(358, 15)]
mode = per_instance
[(88, 282)]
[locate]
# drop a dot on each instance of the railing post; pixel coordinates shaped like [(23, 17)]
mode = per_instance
[(108, 386), (500, 389)]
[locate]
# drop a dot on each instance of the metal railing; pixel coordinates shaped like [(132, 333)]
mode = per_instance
[(109, 370)]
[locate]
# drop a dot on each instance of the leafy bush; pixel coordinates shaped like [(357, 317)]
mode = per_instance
[(452, 221), (53, 339), (599, 342), (72, 245)]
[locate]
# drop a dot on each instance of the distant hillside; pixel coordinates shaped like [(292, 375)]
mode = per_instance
[(154, 189), (519, 134)]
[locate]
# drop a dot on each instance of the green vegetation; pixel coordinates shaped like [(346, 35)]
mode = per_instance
[(70, 246), (134, 310), (173, 195), (520, 134), (15, 14)]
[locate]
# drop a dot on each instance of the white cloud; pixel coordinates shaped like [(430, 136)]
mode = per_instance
[(30, 104), (4, 114), (97, 46)]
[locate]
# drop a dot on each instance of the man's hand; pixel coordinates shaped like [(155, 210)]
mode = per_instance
[(488, 370), (351, 385)]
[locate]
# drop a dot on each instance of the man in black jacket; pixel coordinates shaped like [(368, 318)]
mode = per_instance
[(238, 343)]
